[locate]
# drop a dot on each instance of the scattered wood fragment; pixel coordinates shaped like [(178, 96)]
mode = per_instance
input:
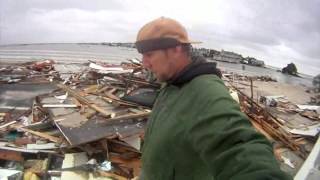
[(41, 134), (83, 99)]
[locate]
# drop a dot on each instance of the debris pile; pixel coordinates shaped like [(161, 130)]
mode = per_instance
[(26, 73), (90, 126), (234, 76), (315, 99), (291, 127)]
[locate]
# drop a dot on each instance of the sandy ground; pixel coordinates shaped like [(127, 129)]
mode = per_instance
[(295, 93)]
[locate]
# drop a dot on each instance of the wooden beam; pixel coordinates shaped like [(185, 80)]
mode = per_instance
[(115, 176), (261, 130), (83, 100), (41, 134), (128, 117)]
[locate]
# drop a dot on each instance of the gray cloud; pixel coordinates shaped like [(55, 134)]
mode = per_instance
[(279, 32), (21, 7), (266, 28)]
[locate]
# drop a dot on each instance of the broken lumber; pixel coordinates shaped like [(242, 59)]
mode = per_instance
[(127, 117), (83, 100), (40, 134)]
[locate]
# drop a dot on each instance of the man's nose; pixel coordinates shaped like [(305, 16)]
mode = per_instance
[(145, 62)]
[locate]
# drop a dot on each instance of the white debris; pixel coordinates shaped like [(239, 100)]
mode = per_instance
[(288, 162)]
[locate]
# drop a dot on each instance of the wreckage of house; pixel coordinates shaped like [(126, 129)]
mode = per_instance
[(253, 62), (90, 123), (227, 56)]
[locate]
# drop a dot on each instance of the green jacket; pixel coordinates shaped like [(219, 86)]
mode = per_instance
[(197, 131)]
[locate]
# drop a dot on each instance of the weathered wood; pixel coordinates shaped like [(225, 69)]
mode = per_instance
[(115, 176), (142, 82), (128, 117), (134, 163), (41, 134), (91, 89), (120, 102), (270, 124), (104, 145), (111, 96), (7, 124), (261, 130), (60, 105), (42, 146), (121, 147), (96, 129), (11, 155), (83, 99)]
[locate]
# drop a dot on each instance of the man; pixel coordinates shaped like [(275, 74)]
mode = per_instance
[(196, 130)]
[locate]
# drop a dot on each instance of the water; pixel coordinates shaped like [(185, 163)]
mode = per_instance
[(68, 53), (304, 80)]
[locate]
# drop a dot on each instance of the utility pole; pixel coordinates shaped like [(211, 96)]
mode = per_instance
[(251, 88)]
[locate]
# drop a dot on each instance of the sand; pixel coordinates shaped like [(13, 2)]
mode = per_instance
[(294, 93)]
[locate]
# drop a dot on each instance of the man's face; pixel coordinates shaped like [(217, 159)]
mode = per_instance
[(159, 62)]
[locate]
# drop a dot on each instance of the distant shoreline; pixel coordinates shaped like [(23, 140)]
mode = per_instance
[(82, 52), (26, 44)]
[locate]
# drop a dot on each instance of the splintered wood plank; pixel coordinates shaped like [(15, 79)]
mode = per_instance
[(128, 116), (83, 100), (134, 163), (111, 175), (41, 134)]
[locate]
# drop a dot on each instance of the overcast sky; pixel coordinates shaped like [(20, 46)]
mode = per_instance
[(276, 31)]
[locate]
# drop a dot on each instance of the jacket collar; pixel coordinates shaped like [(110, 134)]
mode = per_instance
[(198, 66)]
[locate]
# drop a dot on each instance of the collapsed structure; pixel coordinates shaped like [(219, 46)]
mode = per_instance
[(90, 123)]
